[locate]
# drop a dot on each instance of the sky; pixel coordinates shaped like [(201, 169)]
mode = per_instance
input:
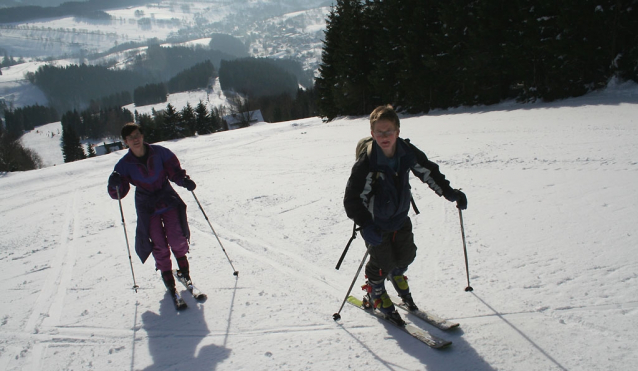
[(550, 230)]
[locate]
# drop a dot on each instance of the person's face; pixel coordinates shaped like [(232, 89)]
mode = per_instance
[(385, 133), (135, 140)]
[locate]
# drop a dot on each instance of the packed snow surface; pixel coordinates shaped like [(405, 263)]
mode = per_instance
[(550, 227)]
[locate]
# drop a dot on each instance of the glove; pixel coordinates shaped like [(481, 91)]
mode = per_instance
[(189, 184), (453, 195), (371, 234), (115, 180)]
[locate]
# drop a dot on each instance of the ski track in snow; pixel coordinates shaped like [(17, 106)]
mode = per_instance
[(549, 228)]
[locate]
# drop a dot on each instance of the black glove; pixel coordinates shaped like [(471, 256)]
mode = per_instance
[(189, 184), (371, 234), (453, 195), (115, 180)]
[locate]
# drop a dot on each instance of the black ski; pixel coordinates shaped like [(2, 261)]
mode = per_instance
[(416, 332), (197, 294), (428, 317)]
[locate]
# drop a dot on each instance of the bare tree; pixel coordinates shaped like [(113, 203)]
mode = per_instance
[(241, 109)]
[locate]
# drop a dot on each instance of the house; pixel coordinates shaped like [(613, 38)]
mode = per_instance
[(106, 148)]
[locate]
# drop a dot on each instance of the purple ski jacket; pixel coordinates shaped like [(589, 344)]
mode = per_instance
[(153, 192)]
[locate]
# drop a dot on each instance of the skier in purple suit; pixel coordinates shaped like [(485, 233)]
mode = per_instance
[(162, 226)]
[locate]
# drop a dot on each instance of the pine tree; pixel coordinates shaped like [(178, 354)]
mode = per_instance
[(90, 150), (188, 121), (347, 61), (217, 118), (72, 149), (171, 123), (160, 126), (203, 120), (149, 127), (623, 34)]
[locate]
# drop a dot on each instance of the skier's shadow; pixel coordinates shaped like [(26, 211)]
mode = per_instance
[(459, 356), (174, 337)]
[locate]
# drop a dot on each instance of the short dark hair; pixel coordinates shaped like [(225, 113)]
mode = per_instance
[(386, 112), (129, 128)]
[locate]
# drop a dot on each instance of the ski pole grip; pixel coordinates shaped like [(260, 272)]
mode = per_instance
[(345, 251)]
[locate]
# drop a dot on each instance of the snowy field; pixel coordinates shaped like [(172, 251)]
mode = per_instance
[(551, 233)]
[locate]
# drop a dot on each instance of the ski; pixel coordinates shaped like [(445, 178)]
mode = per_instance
[(178, 301), (428, 317), (418, 333), (197, 294)]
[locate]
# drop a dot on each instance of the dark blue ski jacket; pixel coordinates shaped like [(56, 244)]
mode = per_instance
[(376, 194)]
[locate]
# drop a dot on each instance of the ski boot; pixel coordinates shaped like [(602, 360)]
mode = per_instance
[(183, 270), (377, 298), (400, 283), (169, 282)]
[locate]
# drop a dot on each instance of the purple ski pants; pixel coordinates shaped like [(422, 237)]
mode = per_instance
[(165, 231)]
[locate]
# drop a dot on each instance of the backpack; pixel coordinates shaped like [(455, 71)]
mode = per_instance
[(364, 145)]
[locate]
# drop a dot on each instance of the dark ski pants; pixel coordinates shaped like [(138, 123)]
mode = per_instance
[(396, 251)]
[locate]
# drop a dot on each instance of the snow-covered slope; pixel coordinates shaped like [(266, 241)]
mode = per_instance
[(550, 230)]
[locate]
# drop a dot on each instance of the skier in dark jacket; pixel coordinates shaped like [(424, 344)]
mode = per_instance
[(162, 226), (378, 197)]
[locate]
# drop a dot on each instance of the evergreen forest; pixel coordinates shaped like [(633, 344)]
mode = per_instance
[(89, 8), (420, 55), (28, 117), (256, 77)]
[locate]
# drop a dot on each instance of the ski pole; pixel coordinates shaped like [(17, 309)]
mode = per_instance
[(345, 251), (235, 272), (119, 200), (337, 316), (467, 270)]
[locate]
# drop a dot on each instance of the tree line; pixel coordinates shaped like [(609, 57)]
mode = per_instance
[(71, 8), (97, 124), (27, 118), (8, 61), (180, 68), (284, 107), (162, 63), (78, 86), (199, 76), (74, 86), (171, 123), (422, 55), (158, 126), (90, 124), (256, 77), (150, 94)]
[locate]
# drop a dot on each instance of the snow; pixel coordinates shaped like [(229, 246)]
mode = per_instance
[(46, 141), (550, 233)]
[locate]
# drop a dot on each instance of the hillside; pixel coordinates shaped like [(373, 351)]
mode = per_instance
[(45, 139), (550, 229), (268, 28)]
